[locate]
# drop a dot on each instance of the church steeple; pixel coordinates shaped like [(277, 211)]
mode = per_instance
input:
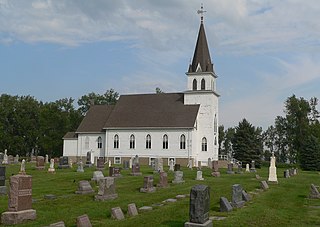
[(201, 59)]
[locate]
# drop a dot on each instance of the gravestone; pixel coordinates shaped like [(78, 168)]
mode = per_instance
[(314, 192), (84, 187), (109, 163), (47, 159), (199, 175), (57, 224), (264, 185), (163, 180), (80, 167), (136, 160), (97, 175), (253, 167), (245, 196), (239, 171), (88, 159), (83, 221), (132, 210), (158, 167), (126, 164), (23, 167), (148, 184), (70, 163), (40, 163), (1, 157), (215, 168), (16, 159), (10, 159), (33, 159), (20, 201), (199, 207), (286, 174), (291, 172), (136, 170), (209, 163), (5, 157), (51, 168), (63, 163), (237, 196), (230, 168), (273, 170), (199, 165), (3, 187), (100, 163), (225, 205), (117, 213), (177, 167), (178, 177), (114, 171), (189, 164), (171, 165), (247, 168), (107, 189), (130, 162)]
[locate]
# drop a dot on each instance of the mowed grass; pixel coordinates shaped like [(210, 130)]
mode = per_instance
[(284, 204)]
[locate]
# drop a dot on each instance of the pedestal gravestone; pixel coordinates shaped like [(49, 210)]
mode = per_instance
[(80, 167), (136, 170), (247, 168), (199, 207), (40, 163), (97, 175), (177, 167), (84, 187), (230, 168), (100, 163), (132, 209), (88, 159), (16, 159), (47, 159), (215, 169), (199, 175), (225, 205), (22, 167), (20, 201), (178, 177), (237, 200), (171, 165), (239, 169), (107, 189), (51, 167), (5, 157), (148, 184), (83, 221), (3, 187), (163, 180), (314, 192), (63, 163), (253, 167), (273, 170)]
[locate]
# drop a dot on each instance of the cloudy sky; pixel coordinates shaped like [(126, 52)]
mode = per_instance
[(263, 50)]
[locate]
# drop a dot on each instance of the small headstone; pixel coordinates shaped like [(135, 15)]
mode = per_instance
[(148, 184), (63, 163), (57, 224), (130, 163), (132, 209), (189, 164), (109, 163), (33, 159), (180, 196), (100, 163), (70, 163), (199, 206), (247, 168), (10, 159), (97, 175), (230, 168), (107, 189), (3, 187), (245, 196), (209, 163), (125, 164), (177, 167), (314, 192), (171, 166), (16, 159), (50, 196), (258, 177), (136, 160), (80, 167), (114, 171), (83, 221), (294, 171), (88, 159), (239, 170), (237, 200), (84, 188), (5, 157), (117, 213), (47, 159), (225, 205), (253, 167), (23, 167), (40, 163), (286, 174), (163, 180), (178, 177), (158, 167), (215, 169), (264, 185), (199, 175), (51, 168), (170, 201), (291, 172), (199, 165), (145, 208), (136, 170)]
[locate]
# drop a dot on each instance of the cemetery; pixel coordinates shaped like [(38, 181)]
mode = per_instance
[(94, 198)]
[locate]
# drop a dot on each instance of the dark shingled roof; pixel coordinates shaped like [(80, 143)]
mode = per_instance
[(152, 110), (201, 53), (95, 118), (70, 135)]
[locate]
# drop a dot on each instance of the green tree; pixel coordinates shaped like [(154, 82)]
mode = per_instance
[(221, 139), (310, 155)]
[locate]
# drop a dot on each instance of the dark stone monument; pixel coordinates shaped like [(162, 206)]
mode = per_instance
[(225, 205), (239, 171), (88, 160), (199, 207), (100, 163), (237, 196), (63, 163), (107, 189), (84, 187), (136, 170), (20, 201), (125, 164), (3, 187), (114, 171), (83, 221), (215, 169), (253, 167), (230, 168), (40, 163), (148, 184), (177, 167), (163, 180)]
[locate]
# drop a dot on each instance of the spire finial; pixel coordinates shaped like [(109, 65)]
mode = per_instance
[(201, 11)]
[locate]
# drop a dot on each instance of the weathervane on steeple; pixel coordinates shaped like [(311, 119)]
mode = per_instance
[(201, 11)]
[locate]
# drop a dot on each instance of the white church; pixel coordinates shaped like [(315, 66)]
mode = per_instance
[(180, 126)]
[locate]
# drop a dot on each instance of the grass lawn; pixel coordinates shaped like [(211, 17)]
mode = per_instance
[(284, 204)]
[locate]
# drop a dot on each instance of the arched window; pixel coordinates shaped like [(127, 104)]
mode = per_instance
[(194, 85), (86, 142), (99, 142), (165, 142), (132, 141), (203, 84), (204, 144), (148, 142), (116, 142), (182, 142)]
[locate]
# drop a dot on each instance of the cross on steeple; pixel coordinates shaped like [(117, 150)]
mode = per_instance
[(201, 11)]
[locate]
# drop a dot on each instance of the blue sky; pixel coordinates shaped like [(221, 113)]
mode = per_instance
[(263, 51)]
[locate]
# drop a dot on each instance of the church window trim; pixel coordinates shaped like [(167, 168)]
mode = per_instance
[(194, 85), (132, 142), (182, 142), (116, 141), (165, 143), (148, 141), (99, 142), (204, 145), (117, 160), (203, 84)]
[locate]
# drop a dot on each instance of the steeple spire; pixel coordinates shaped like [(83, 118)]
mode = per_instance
[(201, 58)]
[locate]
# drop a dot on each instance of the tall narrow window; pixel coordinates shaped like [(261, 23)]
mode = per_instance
[(86, 142), (132, 142), (204, 144), (215, 140), (194, 85), (165, 142), (148, 142), (99, 142), (203, 84), (116, 142), (215, 124), (182, 142)]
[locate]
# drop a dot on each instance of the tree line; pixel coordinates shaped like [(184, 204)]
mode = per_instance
[(294, 138)]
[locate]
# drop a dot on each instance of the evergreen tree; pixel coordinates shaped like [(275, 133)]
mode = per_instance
[(310, 154)]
